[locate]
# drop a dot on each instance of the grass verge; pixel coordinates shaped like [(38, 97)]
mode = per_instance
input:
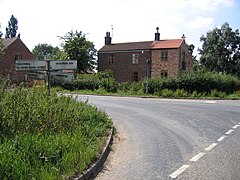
[(47, 137)]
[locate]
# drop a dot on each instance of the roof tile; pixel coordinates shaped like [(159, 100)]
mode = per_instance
[(145, 45)]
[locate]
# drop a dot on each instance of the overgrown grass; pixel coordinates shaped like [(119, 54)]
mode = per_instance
[(47, 137)]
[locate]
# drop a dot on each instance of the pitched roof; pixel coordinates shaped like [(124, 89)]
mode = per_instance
[(8, 41), (145, 45), (167, 44), (127, 46)]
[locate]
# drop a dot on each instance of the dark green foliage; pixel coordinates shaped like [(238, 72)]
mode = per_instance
[(221, 50), (47, 137), (48, 52), (102, 80), (11, 30), (200, 81), (196, 81), (77, 47)]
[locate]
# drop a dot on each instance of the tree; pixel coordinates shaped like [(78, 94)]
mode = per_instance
[(221, 50), (46, 51), (11, 30), (196, 65), (78, 48), (1, 33)]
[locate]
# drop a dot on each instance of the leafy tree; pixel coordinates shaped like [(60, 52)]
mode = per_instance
[(11, 30), (196, 65), (78, 48), (221, 50), (1, 33), (46, 51)]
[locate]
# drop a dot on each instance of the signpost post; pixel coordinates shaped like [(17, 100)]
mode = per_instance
[(35, 69)]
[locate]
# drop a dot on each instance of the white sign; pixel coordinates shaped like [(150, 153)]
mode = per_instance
[(61, 77), (63, 64), (36, 75), (30, 65)]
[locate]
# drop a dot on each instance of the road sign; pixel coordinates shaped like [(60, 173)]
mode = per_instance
[(61, 77), (63, 64), (36, 75), (30, 65)]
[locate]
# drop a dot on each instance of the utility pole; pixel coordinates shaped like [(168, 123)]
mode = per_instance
[(147, 72)]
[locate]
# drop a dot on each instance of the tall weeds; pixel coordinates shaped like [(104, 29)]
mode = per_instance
[(47, 137)]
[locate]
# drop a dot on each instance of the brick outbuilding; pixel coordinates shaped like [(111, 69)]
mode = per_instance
[(136, 60), (14, 49)]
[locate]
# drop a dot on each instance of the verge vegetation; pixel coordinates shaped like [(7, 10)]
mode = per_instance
[(47, 137), (195, 84)]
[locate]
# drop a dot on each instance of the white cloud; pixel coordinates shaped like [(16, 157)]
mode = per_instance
[(199, 22), (210, 5)]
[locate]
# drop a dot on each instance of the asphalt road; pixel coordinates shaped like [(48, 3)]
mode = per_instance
[(171, 139)]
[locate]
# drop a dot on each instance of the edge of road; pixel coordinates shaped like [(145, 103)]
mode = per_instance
[(97, 166)]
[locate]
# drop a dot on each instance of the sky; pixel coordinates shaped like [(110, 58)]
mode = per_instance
[(45, 21)]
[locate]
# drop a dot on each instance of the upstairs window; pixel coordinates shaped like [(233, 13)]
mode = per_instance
[(111, 59), (164, 55), (135, 58), (18, 57)]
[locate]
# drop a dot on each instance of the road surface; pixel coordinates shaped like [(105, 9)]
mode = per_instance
[(171, 139)]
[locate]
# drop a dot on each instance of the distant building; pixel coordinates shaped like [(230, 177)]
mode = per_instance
[(14, 49), (134, 61)]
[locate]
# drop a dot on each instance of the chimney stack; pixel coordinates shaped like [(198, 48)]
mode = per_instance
[(108, 39), (157, 35)]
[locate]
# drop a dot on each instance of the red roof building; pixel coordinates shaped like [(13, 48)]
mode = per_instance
[(14, 49), (134, 61)]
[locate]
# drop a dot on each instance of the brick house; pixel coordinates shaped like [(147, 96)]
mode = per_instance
[(134, 61), (14, 49)]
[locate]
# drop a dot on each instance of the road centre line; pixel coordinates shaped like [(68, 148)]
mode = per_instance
[(197, 157), (229, 132), (221, 138), (236, 126), (210, 147), (179, 171)]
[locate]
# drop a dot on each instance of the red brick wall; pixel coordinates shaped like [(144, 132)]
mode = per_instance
[(122, 66), (172, 65), (7, 62)]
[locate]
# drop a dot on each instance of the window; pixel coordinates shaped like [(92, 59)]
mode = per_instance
[(164, 55), (18, 57), (135, 76), (111, 59), (135, 58), (164, 73)]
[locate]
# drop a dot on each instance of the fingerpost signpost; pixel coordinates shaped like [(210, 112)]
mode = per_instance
[(48, 70)]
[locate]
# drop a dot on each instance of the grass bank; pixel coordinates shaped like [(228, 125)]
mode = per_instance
[(47, 137)]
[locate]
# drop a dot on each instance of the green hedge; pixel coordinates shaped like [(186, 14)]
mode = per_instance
[(200, 82)]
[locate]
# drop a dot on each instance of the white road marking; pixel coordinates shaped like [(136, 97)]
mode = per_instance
[(210, 102), (236, 126), (209, 148), (197, 157), (179, 171), (229, 132), (221, 138)]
